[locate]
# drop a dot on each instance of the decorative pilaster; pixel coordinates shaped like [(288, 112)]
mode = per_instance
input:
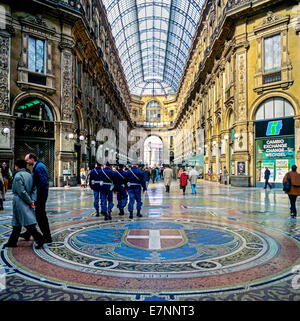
[(66, 47), (4, 72)]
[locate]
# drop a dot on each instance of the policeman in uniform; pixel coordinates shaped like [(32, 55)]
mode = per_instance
[(135, 183), (103, 180), (121, 188)]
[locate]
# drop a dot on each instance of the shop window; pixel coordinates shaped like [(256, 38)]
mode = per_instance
[(34, 108)]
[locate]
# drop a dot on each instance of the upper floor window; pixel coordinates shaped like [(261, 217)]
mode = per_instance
[(36, 55), (153, 111), (272, 53)]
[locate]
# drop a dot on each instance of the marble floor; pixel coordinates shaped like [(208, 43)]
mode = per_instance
[(224, 243)]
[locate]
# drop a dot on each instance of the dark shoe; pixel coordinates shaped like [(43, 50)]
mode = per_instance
[(109, 215), (9, 245), (130, 215), (121, 212), (48, 241), (97, 213), (25, 236), (39, 246), (139, 214)]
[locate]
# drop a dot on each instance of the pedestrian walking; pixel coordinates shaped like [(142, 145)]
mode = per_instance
[(6, 175), (83, 178), (135, 179), (2, 192), (167, 175), (153, 174), (147, 174), (183, 180), (193, 176), (121, 188), (41, 181), (24, 193), (179, 172), (225, 175), (267, 177), (294, 191)]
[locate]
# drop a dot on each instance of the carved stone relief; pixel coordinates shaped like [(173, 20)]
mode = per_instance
[(4, 73), (241, 102), (66, 92)]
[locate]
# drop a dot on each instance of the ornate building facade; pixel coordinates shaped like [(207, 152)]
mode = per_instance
[(62, 84), (242, 88)]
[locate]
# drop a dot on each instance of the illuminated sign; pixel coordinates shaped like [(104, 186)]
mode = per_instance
[(274, 127), (278, 127)]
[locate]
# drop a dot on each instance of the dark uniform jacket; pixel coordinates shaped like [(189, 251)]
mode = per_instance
[(135, 178), (121, 183), (102, 179)]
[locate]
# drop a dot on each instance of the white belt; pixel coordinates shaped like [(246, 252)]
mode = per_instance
[(101, 183), (129, 184)]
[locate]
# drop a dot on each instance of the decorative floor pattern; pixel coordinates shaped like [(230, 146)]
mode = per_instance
[(223, 243)]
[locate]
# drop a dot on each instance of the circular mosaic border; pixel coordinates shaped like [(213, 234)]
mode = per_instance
[(208, 278)]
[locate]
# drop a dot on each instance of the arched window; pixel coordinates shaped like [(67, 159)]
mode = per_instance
[(275, 107), (34, 108), (153, 111)]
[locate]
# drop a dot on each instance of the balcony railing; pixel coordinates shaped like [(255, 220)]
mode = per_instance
[(272, 77)]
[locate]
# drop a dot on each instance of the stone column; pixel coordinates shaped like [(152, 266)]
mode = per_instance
[(66, 154), (6, 120), (241, 152)]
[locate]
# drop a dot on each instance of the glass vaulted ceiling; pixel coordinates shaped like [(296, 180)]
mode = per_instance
[(153, 39)]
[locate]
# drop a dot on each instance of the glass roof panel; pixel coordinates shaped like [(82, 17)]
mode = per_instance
[(153, 38)]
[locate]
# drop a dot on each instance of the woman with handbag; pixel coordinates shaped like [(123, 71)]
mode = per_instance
[(294, 190)]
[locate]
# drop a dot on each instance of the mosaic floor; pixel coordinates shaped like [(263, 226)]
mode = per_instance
[(223, 243)]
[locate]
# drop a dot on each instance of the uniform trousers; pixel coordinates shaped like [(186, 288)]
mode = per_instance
[(135, 194)]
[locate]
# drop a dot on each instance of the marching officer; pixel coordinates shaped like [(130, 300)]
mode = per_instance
[(120, 188), (135, 183), (102, 180)]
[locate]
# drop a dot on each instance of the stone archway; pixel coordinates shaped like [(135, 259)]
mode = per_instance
[(153, 151)]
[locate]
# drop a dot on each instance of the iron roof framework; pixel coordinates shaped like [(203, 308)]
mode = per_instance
[(153, 39)]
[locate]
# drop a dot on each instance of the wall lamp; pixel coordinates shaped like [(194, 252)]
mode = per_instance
[(70, 136), (5, 131), (81, 137)]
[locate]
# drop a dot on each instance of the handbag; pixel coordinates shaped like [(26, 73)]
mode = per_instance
[(287, 185)]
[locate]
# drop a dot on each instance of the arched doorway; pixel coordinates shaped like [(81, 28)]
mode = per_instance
[(153, 151), (34, 132), (274, 139)]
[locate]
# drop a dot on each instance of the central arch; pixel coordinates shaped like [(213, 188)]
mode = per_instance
[(153, 151)]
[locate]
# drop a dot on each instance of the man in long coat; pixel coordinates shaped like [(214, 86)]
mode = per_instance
[(23, 206), (168, 175)]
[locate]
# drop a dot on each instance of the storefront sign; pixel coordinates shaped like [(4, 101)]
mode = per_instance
[(278, 154), (34, 128), (278, 127), (275, 148)]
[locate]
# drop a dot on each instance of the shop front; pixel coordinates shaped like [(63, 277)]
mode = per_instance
[(274, 149), (34, 132)]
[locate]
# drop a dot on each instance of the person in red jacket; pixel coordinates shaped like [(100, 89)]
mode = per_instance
[(183, 180)]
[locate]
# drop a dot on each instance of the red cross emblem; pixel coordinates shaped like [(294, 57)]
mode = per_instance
[(155, 239)]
